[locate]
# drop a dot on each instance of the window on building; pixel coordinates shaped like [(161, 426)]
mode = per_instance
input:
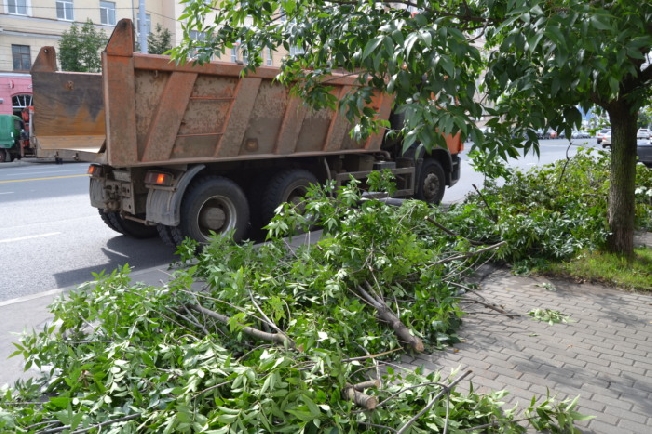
[(22, 61), (17, 7), (269, 60), (197, 36), (65, 10), (295, 50), (238, 55), (107, 13), (21, 100)]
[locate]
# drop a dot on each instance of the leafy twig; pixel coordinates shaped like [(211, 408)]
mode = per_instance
[(445, 390), (491, 212), (451, 233), (471, 254), (85, 430)]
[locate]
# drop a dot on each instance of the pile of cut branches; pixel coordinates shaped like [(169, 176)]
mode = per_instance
[(271, 338)]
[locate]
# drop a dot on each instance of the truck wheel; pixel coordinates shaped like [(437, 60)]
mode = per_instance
[(3, 155), (9, 158), (255, 192), (114, 220), (170, 235), (213, 204), (286, 186), (110, 221), (431, 182)]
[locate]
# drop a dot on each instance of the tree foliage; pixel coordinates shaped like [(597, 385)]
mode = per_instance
[(549, 213), (79, 48), (521, 65), (273, 338), (159, 41)]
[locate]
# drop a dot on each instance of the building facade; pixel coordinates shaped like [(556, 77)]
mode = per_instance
[(28, 25)]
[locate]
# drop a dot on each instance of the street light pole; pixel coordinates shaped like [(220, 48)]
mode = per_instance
[(142, 27)]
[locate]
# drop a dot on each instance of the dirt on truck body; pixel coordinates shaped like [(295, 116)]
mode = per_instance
[(183, 150)]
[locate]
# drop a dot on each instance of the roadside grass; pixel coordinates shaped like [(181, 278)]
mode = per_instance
[(607, 268)]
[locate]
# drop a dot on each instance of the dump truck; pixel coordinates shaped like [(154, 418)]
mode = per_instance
[(186, 150)]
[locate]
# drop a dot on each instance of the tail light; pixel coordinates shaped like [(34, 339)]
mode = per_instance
[(159, 178)]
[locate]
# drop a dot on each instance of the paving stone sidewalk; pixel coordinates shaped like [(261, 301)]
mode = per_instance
[(602, 354)]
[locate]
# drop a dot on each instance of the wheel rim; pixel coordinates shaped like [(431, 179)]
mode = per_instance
[(430, 187), (297, 197), (217, 214)]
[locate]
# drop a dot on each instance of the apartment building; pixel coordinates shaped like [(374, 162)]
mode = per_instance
[(28, 25)]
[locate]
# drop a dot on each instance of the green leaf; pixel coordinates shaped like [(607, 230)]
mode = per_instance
[(314, 409), (371, 46)]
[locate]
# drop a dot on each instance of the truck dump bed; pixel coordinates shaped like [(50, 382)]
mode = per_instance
[(145, 110)]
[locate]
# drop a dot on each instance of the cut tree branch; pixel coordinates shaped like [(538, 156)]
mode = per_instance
[(387, 316), (368, 402), (279, 338)]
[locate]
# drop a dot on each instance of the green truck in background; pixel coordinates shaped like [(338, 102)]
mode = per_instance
[(12, 132)]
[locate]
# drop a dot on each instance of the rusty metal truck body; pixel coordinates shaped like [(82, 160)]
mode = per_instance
[(186, 150)]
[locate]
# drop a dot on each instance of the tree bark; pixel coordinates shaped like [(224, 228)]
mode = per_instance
[(355, 393), (624, 118), (279, 338), (387, 316)]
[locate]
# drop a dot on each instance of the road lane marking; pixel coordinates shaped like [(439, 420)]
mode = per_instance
[(6, 192), (13, 181), (40, 172), (29, 237), (31, 297)]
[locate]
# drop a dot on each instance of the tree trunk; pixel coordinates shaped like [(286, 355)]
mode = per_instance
[(624, 119)]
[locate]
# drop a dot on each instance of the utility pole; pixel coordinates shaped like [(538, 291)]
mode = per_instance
[(143, 31)]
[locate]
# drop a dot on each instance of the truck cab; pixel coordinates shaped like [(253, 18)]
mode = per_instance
[(11, 130)]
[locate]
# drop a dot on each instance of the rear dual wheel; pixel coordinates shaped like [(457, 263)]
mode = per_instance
[(131, 228), (211, 205), (287, 186), (214, 204)]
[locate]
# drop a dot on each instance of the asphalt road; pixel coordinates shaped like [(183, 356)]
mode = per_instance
[(50, 236)]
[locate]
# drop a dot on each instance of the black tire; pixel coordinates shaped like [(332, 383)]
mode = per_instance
[(9, 157), (212, 203), (255, 191), (110, 220), (431, 182), (170, 235), (286, 186), (114, 220), (3, 155)]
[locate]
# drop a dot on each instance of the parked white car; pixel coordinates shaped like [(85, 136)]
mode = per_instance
[(606, 139), (643, 133), (601, 133)]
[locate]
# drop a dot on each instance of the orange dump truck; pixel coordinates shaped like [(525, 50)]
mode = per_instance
[(186, 150)]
